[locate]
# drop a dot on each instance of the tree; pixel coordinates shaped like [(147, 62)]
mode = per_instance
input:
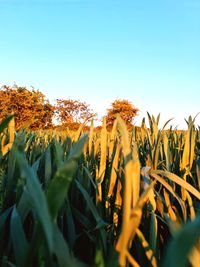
[(73, 112), (30, 107), (125, 109)]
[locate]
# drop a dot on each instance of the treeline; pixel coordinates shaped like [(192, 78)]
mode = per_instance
[(33, 110)]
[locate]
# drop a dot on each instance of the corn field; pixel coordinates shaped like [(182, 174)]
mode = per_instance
[(102, 199)]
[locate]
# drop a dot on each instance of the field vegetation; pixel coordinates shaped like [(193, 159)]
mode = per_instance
[(101, 198)]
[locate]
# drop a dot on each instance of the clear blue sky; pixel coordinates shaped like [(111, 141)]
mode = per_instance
[(146, 51)]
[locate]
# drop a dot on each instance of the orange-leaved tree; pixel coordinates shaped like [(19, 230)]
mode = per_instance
[(125, 109), (73, 112), (30, 107)]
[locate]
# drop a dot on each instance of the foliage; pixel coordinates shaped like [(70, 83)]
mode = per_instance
[(30, 107), (108, 199), (73, 111), (125, 109)]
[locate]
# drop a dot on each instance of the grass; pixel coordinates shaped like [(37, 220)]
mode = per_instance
[(114, 198)]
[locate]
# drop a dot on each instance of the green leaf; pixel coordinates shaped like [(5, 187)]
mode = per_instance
[(38, 198), (58, 153), (48, 167), (99, 221), (10, 264), (89, 202), (71, 229), (61, 250), (77, 148), (25, 204), (5, 123), (11, 178), (181, 245), (99, 259), (59, 186), (3, 222), (20, 244)]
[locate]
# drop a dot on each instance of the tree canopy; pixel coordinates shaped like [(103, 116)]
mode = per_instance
[(73, 111), (125, 109), (33, 110), (30, 107)]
